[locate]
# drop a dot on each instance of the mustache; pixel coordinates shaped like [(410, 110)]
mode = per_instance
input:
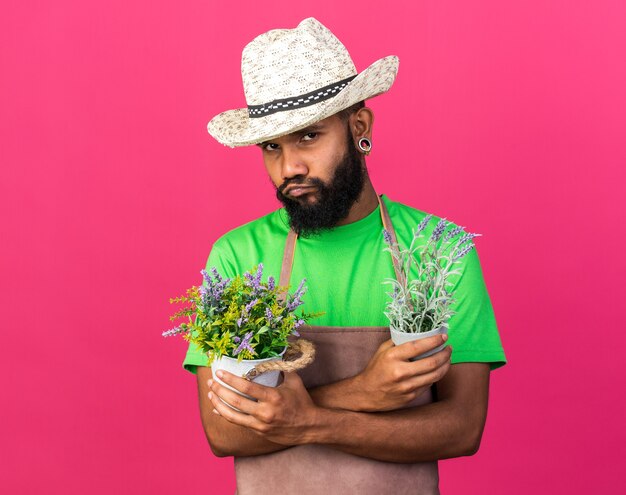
[(313, 181)]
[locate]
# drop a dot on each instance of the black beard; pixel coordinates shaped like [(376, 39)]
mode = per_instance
[(334, 200)]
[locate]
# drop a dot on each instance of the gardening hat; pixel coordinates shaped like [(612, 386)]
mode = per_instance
[(293, 78)]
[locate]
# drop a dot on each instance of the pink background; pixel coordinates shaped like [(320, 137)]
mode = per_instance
[(506, 117)]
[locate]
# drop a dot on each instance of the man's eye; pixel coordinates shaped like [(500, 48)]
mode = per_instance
[(270, 147), (309, 135)]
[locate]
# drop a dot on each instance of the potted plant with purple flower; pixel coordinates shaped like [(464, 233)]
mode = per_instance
[(243, 325), (419, 307)]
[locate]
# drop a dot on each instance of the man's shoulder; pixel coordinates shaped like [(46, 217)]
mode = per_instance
[(259, 241), (266, 227), (406, 218), (404, 214)]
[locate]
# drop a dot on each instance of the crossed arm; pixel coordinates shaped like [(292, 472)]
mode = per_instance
[(345, 415)]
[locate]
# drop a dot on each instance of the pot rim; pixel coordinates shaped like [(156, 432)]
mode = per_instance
[(435, 331)]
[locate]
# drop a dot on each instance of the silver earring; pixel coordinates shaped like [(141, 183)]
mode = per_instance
[(365, 145)]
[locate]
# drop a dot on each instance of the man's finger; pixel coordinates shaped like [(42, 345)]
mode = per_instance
[(229, 414), (416, 347), (428, 364), (291, 379), (387, 344), (430, 377), (247, 387), (244, 404)]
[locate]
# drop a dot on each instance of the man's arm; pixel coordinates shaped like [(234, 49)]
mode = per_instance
[(226, 438), (286, 415), (387, 383), (450, 427)]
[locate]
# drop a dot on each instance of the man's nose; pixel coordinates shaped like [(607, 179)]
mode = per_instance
[(292, 163)]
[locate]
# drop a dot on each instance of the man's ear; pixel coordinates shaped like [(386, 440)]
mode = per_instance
[(361, 123)]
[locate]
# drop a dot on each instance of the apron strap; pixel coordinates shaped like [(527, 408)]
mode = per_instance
[(388, 225), (290, 249), (285, 271)]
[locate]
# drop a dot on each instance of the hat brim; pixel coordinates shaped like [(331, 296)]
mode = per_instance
[(235, 128)]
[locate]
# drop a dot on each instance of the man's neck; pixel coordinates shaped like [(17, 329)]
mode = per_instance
[(363, 206)]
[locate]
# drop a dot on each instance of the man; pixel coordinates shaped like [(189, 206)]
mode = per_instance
[(362, 418)]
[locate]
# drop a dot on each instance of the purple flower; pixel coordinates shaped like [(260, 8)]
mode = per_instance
[(268, 314), (212, 292), (236, 339), (294, 304), (251, 305), (206, 277), (387, 236), (254, 281), (296, 325), (422, 225), (271, 283), (439, 228), (218, 290), (245, 312), (245, 344), (207, 288), (216, 274), (463, 252), (242, 320), (466, 237), (455, 231), (297, 296), (174, 331), (301, 289)]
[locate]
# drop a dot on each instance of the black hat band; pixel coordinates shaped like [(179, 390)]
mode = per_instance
[(305, 100)]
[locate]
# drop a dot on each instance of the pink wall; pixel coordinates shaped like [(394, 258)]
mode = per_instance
[(506, 117)]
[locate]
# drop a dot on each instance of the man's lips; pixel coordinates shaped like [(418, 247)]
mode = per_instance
[(295, 191)]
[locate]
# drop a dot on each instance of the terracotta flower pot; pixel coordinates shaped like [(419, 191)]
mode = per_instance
[(401, 337)]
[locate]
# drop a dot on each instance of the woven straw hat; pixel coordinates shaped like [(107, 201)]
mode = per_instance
[(293, 78)]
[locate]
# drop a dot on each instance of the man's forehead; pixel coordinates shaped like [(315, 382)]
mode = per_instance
[(315, 127)]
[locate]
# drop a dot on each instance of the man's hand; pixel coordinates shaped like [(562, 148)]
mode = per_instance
[(390, 381), (285, 414)]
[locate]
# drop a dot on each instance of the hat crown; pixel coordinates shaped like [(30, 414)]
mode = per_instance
[(284, 63)]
